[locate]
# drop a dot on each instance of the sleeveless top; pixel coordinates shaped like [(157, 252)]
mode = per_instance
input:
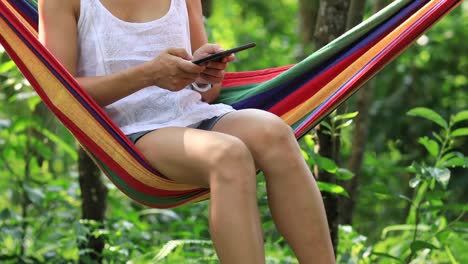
[(108, 44)]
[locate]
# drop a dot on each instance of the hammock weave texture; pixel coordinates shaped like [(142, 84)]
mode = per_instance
[(300, 94)]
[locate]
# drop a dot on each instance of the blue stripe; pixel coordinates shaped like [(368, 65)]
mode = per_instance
[(27, 9), (313, 115), (90, 109), (269, 98)]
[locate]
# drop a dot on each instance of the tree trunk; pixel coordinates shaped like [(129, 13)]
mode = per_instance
[(359, 139), (207, 7), (331, 23), (308, 18), (93, 206), (355, 13)]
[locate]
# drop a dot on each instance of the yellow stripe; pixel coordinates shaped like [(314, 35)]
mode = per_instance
[(21, 18), (68, 105), (298, 112)]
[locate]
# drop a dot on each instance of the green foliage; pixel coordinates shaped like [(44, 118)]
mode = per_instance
[(432, 220), (412, 188)]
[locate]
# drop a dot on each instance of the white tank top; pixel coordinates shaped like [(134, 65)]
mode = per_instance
[(108, 44)]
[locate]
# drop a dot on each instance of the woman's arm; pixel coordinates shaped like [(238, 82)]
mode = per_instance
[(171, 70), (214, 72)]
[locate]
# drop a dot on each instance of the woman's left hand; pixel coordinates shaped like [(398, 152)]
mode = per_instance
[(214, 70)]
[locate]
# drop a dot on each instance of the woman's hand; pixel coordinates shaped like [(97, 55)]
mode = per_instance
[(173, 69), (214, 70)]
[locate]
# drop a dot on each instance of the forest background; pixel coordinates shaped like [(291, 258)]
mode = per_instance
[(391, 162)]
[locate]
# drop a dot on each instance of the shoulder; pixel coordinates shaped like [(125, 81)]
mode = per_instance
[(69, 7)]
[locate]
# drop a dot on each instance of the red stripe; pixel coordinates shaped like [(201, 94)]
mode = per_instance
[(317, 83), (102, 155), (435, 14), (67, 78), (232, 79), (78, 133)]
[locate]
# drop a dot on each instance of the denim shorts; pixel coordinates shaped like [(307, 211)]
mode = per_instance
[(206, 124)]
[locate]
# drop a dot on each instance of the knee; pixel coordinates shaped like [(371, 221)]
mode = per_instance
[(231, 163), (276, 134)]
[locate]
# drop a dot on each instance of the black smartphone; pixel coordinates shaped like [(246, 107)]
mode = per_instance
[(220, 55)]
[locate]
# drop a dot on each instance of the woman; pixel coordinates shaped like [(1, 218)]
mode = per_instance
[(134, 59)]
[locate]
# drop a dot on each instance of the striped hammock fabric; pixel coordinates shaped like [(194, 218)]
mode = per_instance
[(300, 94)]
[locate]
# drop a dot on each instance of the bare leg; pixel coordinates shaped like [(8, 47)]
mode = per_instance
[(294, 198), (225, 164)]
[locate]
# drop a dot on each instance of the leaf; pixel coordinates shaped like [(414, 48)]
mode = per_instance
[(332, 188), (418, 245), (35, 195), (461, 132), (386, 256), (428, 114), (344, 174), (345, 124), (460, 116), (450, 155), (7, 66), (173, 244), (431, 145), (345, 116), (326, 125), (455, 162), (80, 231), (326, 164), (451, 207)]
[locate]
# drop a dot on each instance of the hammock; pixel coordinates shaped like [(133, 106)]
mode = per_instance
[(300, 94)]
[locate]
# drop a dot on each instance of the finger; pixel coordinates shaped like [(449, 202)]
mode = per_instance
[(209, 79), (213, 73), (216, 65), (212, 48), (190, 68), (229, 58), (179, 52)]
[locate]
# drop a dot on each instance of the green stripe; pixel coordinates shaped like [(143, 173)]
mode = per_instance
[(32, 2), (323, 54), (231, 95), (134, 193)]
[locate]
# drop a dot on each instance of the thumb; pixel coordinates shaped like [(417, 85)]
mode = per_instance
[(212, 48), (179, 52)]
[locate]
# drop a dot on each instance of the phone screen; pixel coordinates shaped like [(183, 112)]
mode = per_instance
[(220, 55)]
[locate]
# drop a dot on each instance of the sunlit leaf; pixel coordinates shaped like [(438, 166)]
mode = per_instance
[(7, 66), (431, 146), (172, 245), (428, 114), (345, 124), (460, 116), (455, 162), (332, 188), (326, 164), (461, 132), (345, 116)]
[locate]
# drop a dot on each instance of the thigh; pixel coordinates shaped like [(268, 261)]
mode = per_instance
[(258, 129), (185, 155)]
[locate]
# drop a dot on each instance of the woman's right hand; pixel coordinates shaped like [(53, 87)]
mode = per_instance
[(173, 69)]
